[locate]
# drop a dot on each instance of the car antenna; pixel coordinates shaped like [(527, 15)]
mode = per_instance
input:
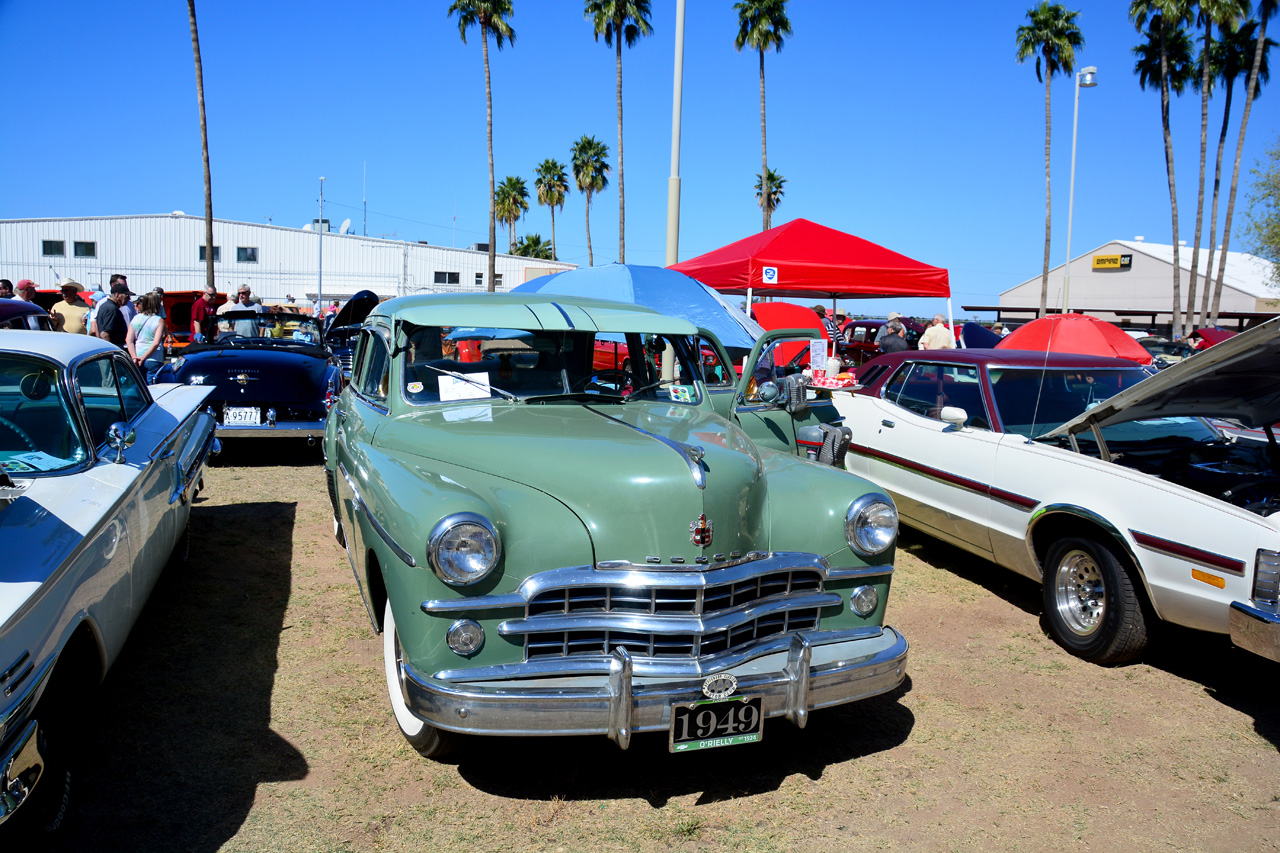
[(1044, 371)]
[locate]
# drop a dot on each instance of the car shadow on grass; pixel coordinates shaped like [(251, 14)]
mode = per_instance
[(271, 451), (594, 768), (178, 738), (1014, 588)]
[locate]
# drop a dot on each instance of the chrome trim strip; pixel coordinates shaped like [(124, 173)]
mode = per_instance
[(686, 452), (282, 429), (357, 503), (620, 696), (22, 705), (565, 314), (1087, 515), (657, 667), (666, 625), (8, 673), (799, 655), (1191, 554), (20, 771), (859, 670)]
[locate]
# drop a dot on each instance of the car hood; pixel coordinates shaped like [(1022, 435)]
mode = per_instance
[(1236, 379), (358, 307), (625, 470), (255, 373)]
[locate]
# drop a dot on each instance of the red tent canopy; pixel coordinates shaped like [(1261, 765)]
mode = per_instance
[(1077, 333), (803, 258)]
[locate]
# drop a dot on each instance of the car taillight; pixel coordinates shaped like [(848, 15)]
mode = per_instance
[(1266, 577)]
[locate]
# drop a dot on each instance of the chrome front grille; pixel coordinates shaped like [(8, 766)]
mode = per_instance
[(670, 621)]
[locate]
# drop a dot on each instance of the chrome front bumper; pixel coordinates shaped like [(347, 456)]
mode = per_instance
[(281, 429), (1255, 630), (794, 682), (20, 770)]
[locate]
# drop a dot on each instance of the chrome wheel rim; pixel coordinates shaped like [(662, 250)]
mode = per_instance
[(1080, 593)]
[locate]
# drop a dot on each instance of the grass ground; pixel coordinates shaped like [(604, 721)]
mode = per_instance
[(247, 713)]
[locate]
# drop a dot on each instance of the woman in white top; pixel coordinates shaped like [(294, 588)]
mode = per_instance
[(146, 334)]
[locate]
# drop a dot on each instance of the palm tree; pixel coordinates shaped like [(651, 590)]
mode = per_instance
[(204, 149), (1223, 14), (618, 21), (1266, 9), (552, 185), (762, 25), (770, 203), (533, 246), (1165, 59), (491, 17), (511, 202), (1231, 55), (1052, 38), (588, 159)]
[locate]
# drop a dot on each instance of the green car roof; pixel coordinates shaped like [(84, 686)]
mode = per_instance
[(531, 311)]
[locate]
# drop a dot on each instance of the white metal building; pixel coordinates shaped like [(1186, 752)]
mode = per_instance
[(167, 250), (1131, 281)]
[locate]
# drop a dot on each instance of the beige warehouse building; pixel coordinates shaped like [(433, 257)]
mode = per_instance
[(1130, 282)]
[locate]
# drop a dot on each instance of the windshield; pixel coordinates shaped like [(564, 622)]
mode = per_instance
[(1033, 401), (37, 431), (445, 364), (246, 328)]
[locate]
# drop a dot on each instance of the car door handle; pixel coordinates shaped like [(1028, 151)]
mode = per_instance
[(889, 424)]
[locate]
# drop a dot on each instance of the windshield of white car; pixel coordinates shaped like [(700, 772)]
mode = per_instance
[(38, 433), (1033, 401), (442, 364)]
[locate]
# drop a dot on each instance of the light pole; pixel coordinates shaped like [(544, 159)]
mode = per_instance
[(1086, 79), (320, 260)]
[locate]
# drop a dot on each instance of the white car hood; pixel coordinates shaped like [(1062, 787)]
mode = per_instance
[(1238, 379)]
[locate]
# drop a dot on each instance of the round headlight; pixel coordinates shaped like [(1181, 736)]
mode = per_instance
[(864, 600), (871, 524), (465, 637), (463, 548)]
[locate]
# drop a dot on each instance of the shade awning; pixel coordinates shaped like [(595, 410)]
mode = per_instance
[(803, 258)]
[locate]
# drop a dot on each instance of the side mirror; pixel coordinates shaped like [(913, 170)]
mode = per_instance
[(955, 416), (120, 437), (769, 392)]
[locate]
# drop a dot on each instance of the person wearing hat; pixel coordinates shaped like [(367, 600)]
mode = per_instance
[(832, 332), (6, 289), (112, 325), (72, 313), (26, 290), (884, 329)]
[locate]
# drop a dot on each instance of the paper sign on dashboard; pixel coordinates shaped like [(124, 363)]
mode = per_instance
[(458, 389)]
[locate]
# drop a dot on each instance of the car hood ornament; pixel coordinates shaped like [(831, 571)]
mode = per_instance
[(701, 531)]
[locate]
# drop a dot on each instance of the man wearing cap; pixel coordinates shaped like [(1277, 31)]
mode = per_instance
[(72, 313), (884, 329), (128, 309), (827, 322), (6, 289), (26, 290), (111, 323)]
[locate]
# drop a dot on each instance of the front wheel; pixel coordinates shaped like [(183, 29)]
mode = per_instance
[(1090, 602), (429, 741)]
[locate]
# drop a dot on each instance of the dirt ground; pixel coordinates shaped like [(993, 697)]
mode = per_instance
[(248, 712)]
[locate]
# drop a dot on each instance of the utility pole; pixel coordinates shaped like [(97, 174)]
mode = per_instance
[(320, 263)]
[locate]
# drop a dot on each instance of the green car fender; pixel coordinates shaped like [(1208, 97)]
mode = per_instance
[(534, 529)]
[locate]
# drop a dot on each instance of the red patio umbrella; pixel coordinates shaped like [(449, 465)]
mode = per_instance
[(1211, 335), (1075, 333)]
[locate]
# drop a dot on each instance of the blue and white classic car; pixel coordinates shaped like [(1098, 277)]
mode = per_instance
[(97, 473)]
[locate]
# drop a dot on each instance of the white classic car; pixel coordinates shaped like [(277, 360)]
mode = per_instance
[(97, 473), (1109, 487)]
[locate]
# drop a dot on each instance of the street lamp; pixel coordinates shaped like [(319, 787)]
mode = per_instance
[(1086, 79)]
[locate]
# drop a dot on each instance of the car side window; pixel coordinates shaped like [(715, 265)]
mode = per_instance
[(927, 388), (714, 373), (132, 392), (376, 368), (103, 405), (893, 388)]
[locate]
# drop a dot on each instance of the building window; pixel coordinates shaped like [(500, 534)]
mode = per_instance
[(86, 250), (497, 281), (217, 254), (53, 248), (446, 278), (244, 254)]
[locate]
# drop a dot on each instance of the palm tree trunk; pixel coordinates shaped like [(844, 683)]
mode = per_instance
[(622, 195), (1206, 296), (764, 156), (204, 149), (1048, 200), (1173, 190), (1235, 172), (553, 232), (591, 262), (1204, 156), (493, 218)]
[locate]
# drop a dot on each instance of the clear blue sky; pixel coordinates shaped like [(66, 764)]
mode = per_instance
[(911, 126)]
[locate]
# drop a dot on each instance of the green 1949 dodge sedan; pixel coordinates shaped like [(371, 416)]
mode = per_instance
[(549, 547)]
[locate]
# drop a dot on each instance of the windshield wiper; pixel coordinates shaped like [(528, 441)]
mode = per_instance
[(470, 381), (636, 392)]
